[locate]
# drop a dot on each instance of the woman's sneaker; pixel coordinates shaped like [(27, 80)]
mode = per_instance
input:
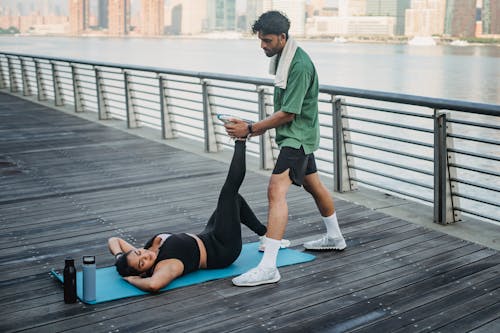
[(326, 243), (262, 243), (257, 276)]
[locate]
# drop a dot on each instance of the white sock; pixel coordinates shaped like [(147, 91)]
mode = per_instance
[(332, 226), (270, 253)]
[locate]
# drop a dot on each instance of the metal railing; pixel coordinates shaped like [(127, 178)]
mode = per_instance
[(444, 153)]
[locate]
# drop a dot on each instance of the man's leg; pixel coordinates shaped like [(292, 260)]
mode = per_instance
[(279, 184), (266, 271), (333, 240), (321, 195)]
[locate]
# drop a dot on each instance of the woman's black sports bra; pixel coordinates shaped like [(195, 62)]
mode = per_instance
[(178, 246)]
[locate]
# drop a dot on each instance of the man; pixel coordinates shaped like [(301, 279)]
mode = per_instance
[(296, 122)]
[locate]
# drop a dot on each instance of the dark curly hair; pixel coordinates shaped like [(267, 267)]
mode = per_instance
[(272, 22), (122, 266)]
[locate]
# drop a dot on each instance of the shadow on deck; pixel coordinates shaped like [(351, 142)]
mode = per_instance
[(67, 184)]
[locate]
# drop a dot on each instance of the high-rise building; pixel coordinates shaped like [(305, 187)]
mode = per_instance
[(78, 16), (186, 17), (491, 17), (221, 15), (119, 17), (152, 17), (460, 18), (425, 18), (296, 12), (353, 8), (392, 8), (255, 8), (102, 14)]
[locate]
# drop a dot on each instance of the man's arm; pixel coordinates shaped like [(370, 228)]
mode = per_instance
[(165, 272), (239, 128)]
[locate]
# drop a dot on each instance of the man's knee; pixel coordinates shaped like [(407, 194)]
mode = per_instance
[(278, 186)]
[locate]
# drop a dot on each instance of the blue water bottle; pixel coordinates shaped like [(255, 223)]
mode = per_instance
[(89, 279)]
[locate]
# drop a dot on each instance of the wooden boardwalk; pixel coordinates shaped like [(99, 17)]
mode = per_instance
[(67, 184)]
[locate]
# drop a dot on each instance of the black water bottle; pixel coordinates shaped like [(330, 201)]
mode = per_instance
[(69, 281)]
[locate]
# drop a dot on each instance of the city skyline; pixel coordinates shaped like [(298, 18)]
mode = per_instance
[(310, 18)]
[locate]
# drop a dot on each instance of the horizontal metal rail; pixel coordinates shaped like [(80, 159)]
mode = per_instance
[(365, 135)]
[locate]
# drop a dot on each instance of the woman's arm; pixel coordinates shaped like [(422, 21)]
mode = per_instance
[(117, 245), (165, 272)]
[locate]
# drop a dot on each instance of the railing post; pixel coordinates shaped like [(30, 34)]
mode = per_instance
[(443, 201), (2, 78), (341, 171), (40, 86), (167, 131), (452, 176), (208, 122), (132, 119), (58, 96), (24, 77), (102, 107), (266, 149), (12, 76), (77, 94)]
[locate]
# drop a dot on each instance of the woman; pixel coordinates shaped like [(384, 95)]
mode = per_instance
[(168, 256)]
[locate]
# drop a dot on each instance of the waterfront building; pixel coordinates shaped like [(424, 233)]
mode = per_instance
[(296, 12), (425, 18), (321, 8), (119, 17), (460, 18), (255, 8), (102, 14), (352, 7), (221, 15), (392, 8), (78, 16), (152, 17), (324, 26), (491, 17), (7, 21), (185, 17)]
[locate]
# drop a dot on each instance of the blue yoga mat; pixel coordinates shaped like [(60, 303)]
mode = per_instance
[(111, 286)]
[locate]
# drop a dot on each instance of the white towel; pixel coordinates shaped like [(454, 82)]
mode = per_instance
[(284, 64)]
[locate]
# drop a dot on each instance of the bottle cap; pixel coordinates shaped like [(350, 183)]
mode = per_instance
[(69, 261), (89, 260)]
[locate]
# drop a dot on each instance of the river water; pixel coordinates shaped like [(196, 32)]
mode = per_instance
[(469, 73)]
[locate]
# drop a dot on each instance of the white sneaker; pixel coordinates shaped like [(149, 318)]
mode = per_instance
[(262, 243), (257, 276), (326, 243)]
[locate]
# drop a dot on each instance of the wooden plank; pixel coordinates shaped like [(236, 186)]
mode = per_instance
[(492, 326), (72, 184)]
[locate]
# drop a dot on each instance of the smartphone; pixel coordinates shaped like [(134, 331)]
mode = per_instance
[(225, 118)]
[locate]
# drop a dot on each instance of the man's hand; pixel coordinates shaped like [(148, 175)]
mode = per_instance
[(237, 128)]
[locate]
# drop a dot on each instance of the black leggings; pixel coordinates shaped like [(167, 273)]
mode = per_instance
[(222, 234)]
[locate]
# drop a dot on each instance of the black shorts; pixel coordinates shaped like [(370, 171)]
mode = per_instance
[(297, 161)]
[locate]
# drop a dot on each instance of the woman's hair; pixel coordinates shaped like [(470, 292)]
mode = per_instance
[(123, 267), (272, 22)]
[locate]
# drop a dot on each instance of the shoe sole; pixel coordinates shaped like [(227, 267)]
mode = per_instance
[(330, 248), (258, 283)]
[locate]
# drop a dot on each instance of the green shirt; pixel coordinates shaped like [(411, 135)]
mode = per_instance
[(301, 98)]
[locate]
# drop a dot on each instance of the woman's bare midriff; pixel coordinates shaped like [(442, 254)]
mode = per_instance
[(203, 251)]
